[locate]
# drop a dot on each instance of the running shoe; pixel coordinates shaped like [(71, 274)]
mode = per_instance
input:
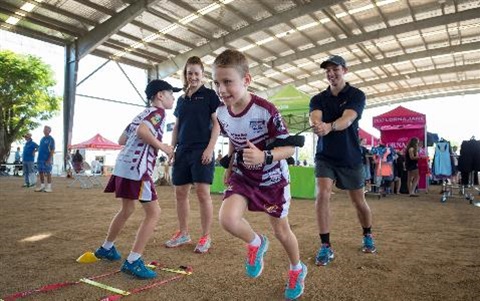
[(178, 239), (325, 255), (138, 269), (203, 244), (368, 244), (296, 283), (111, 254), (254, 262), (40, 189)]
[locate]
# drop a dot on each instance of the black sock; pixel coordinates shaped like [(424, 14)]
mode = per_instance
[(325, 238), (367, 231)]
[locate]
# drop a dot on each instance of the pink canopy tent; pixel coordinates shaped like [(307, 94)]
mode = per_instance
[(371, 140), (399, 125), (97, 142)]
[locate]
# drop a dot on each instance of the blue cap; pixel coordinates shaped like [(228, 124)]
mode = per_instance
[(334, 59)]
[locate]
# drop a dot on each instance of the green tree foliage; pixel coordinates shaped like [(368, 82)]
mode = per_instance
[(26, 97)]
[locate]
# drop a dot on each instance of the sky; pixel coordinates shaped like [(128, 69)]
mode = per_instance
[(453, 118)]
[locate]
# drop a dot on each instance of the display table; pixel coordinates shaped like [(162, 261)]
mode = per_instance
[(302, 182)]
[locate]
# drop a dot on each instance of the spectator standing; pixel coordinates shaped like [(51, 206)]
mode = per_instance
[(17, 162), (28, 158), (45, 160)]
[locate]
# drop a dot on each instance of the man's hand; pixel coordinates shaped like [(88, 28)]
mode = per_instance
[(207, 156), (322, 128), (252, 155)]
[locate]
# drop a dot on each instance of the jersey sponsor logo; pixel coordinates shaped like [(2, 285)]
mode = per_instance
[(257, 126), (156, 119)]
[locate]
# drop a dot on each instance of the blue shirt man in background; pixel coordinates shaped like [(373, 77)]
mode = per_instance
[(28, 157), (45, 160)]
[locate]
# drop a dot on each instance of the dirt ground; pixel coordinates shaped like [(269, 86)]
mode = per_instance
[(427, 250)]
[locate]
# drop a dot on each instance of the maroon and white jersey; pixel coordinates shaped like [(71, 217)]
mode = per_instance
[(137, 158), (260, 123)]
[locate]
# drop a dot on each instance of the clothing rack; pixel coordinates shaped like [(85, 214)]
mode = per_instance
[(467, 192)]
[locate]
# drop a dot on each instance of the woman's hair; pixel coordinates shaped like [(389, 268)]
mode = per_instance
[(193, 60), (413, 143), (232, 59)]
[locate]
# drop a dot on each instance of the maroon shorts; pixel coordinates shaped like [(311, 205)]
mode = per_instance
[(143, 190), (275, 201)]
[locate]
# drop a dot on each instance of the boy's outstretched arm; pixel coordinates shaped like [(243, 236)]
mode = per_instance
[(144, 133), (253, 155)]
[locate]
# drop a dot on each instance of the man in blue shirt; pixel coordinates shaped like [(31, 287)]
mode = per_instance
[(28, 158), (45, 160), (334, 115)]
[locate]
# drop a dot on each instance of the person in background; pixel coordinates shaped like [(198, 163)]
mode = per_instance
[(77, 161), (194, 135), (45, 160), (28, 157), (17, 162), (334, 115), (411, 164)]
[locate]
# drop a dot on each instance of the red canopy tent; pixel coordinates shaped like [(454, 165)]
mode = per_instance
[(371, 140), (97, 142), (399, 125)]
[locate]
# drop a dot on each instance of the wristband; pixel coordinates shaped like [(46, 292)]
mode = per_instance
[(268, 157)]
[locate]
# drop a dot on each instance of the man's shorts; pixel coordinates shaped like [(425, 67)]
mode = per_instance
[(44, 167), (271, 200), (143, 190), (347, 178), (188, 168)]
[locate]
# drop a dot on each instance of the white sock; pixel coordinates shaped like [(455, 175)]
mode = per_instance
[(256, 242), (42, 185), (296, 267), (49, 186), (133, 257), (107, 245)]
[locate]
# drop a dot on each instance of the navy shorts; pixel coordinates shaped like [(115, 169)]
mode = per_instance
[(347, 178), (188, 168)]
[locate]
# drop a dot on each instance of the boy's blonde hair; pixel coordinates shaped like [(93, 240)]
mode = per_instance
[(232, 59)]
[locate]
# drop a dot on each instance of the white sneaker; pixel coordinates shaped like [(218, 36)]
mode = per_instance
[(39, 189), (48, 189)]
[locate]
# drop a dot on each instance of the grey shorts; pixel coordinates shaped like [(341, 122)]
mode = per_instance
[(347, 178)]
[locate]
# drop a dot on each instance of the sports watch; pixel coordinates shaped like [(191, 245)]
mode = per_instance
[(268, 157)]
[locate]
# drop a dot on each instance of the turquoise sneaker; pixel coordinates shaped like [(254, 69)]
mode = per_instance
[(325, 255), (138, 269), (368, 244), (296, 283), (178, 239), (111, 254), (203, 244), (254, 262)]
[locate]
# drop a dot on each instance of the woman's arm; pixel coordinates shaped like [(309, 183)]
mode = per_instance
[(208, 153)]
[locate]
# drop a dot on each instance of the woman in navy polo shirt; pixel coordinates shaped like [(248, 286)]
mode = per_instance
[(194, 135)]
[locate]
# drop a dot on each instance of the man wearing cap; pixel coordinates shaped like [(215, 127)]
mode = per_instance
[(28, 158), (334, 115)]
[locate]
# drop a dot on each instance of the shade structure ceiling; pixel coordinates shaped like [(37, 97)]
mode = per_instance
[(397, 50)]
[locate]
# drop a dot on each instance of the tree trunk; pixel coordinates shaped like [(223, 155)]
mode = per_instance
[(5, 145)]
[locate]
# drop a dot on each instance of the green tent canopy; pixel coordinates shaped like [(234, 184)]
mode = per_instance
[(293, 104)]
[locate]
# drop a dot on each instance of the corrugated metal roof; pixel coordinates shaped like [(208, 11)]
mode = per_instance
[(397, 50)]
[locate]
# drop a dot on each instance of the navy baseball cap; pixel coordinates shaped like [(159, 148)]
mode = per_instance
[(158, 85), (334, 59)]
